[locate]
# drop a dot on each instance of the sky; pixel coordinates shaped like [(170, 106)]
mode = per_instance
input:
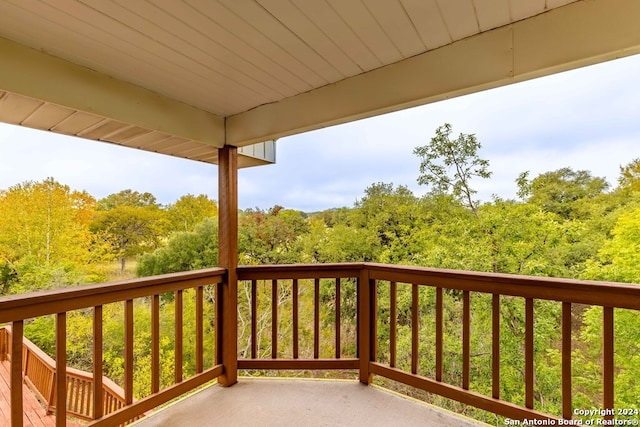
[(586, 119)]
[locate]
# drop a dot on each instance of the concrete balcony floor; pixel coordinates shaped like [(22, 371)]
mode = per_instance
[(293, 402)]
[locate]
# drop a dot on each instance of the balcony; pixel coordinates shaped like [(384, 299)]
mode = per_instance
[(246, 313)]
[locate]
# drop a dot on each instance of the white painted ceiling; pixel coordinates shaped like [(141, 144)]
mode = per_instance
[(244, 71)]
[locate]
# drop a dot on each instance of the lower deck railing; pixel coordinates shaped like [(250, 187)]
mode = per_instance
[(335, 316), (39, 373)]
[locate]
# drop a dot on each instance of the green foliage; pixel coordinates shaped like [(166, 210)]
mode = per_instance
[(619, 258), (442, 154), (189, 211), (44, 236), (387, 212), (127, 198), (270, 237), (629, 180), (563, 192), (184, 251), (133, 224)]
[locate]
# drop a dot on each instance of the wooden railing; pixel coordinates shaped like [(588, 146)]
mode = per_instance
[(337, 276), (495, 286), (353, 292), (39, 371), (88, 398)]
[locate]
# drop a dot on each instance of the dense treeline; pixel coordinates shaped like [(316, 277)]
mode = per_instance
[(565, 223), (52, 236)]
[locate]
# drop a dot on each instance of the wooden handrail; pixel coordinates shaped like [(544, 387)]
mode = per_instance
[(36, 304)]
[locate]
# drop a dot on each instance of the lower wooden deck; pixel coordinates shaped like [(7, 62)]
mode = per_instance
[(309, 403), (35, 414)]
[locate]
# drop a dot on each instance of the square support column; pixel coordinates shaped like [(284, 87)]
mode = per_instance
[(228, 258)]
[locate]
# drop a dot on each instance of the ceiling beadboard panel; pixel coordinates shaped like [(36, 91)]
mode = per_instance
[(492, 13), (305, 29), (46, 116), (365, 26), (255, 15), (524, 9), (428, 21), (395, 22), (459, 17), (330, 23)]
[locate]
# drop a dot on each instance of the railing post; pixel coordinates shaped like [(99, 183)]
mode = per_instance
[(98, 403), (364, 325), (228, 258), (61, 369), (608, 363), (16, 374)]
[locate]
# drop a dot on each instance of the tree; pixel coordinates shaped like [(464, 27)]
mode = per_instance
[(340, 243), (270, 237), (189, 211), (387, 212), (185, 251), (442, 154), (619, 258), (44, 235), (131, 223), (629, 179), (519, 238), (564, 192), (127, 198)]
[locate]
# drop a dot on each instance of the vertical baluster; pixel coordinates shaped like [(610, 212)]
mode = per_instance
[(414, 328), (338, 298), (178, 336), (61, 369), (358, 318), (97, 362), (607, 360), (495, 347), (219, 323), (82, 390), (295, 318), (84, 398), (16, 373), (528, 353), (438, 334), (566, 361), (254, 319), (72, 396), (128, 352), (466, 330), (199, 329), (155, 344), (393, 320), (316, 318), (373, 297), (274, 319)]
